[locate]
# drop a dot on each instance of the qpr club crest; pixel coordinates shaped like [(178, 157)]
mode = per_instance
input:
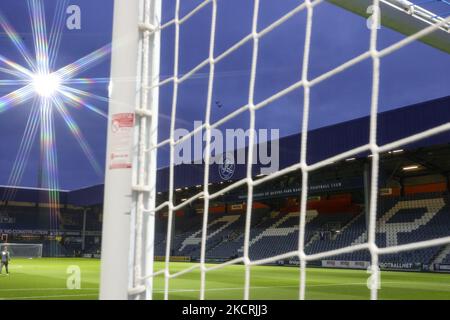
[(227, 167)]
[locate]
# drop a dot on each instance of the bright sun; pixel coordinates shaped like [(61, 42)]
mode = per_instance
[(46, 85)]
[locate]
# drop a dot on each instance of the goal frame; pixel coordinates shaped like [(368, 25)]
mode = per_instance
[(131, 92), (403, 17), (10, 244)]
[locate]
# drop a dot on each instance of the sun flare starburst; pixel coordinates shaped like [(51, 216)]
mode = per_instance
[(46, 85), (49, 93)]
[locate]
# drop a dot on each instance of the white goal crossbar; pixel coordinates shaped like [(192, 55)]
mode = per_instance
[(405, 17)]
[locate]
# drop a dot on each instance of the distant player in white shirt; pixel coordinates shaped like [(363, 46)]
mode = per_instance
[(5, 260)]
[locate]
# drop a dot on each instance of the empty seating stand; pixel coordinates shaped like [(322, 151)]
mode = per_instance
[(400, 220)]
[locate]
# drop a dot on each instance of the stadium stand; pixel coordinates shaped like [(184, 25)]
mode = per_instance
[(332, 223), (412, 206), (30, 222), (444, 256), (400, 220)]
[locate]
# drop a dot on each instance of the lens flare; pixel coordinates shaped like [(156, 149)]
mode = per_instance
[(46, 85), (51, 90)]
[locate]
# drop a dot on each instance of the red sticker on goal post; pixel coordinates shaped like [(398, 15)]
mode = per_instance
[(122, 125)]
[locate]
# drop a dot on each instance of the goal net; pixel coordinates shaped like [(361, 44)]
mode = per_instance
[(23, 250), (407, 18)]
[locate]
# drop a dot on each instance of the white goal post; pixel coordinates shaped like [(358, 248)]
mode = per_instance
[(23, 250), (129, 208), (127, 192)]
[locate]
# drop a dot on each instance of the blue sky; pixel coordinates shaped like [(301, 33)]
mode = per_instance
[(415, 73)]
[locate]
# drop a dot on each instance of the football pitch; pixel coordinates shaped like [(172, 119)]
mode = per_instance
[(48, 279)]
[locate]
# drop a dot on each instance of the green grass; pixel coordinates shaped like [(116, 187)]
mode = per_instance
[(47, 278)]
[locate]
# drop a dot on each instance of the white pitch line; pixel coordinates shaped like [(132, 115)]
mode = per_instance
[(275, 287), (176, 290), (46, 289)]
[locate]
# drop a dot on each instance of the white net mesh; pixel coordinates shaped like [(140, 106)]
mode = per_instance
[(151, 29)]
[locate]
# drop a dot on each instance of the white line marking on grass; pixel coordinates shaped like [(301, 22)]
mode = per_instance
[(274, 287), (45, 289)]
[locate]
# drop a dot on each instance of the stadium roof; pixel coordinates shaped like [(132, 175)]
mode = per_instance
[(332, 140), (322, 143)]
